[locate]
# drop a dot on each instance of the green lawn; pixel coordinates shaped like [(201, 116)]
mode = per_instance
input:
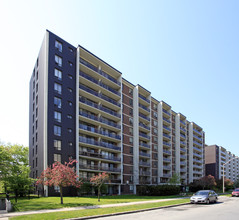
[(99, 211), (24, 204)]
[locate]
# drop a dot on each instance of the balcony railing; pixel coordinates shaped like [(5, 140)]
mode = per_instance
[(82, 61), (195, 142), (99, 168), (196, 160), (183, 149), (197, 131), (182, 142), (166, 112), (167, 167), (197, 155), (167, 128), (111, 123), (166, 135), (166, 175), (167, 120), (144, 116), (167, 143), (183, 163), (167, 152), (144, 154), (142, 163), (144, 126), (183, 156), (182, 135), (144, 173), (183, 122), (166, 159), (144, 135), (100, 156), (197, 137), (90, 116), (144, 98), (110, 134), (109, 111), (144, 107), (144, 145), (183, 129), (197, 149)]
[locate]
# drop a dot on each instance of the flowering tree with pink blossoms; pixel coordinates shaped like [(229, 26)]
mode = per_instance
[(60, 175), (98, 181)]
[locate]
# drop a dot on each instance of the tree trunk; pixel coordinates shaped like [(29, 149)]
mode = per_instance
[(99, 194), (61, 194), (16, 194)]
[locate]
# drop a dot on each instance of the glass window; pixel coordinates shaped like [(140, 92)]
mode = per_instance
[(70, 76), (69, 130), (69, 116), (57, 130), (57, 116), (58, 74), (58, 46), (57, 144), (58, 60), (57, 88), (70, 90), (57, 157), (57, 102)]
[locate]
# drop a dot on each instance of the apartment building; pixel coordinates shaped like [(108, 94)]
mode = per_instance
[(81, 107), (217, 156)]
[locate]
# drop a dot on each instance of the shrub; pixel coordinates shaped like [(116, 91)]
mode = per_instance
[(159, 190)]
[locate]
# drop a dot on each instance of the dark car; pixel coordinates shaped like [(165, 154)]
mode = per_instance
[(235, 192), (204, 196)]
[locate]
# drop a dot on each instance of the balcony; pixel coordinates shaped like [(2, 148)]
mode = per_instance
[(197, 143), (167, 120), (144, 145), (167, 175), (102, 73), (183, 156), (167, 128), (142, 163), (144, 154), (99, 168), (111, 123), (197, 149), (183, 149), (183, 122), (183, 170), (167, 167), (167, 152), (144, 135), (144, 98), (167, 136), (183, 163), (144, 173), (100, 156), (197, 166), (110, 134), (197, 155), (166, 159), (183, 143), (166, 112), (109, 111), (198, 132), (183, 129), (144, 126), (166, 143), (144, 116), (183, 136), (144, 107), (197, 137), (196, 160)]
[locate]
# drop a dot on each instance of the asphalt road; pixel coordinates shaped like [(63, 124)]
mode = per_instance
[(227, 208)]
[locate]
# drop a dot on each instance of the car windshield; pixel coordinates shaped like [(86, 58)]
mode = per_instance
[(236, 190), (201, 193)]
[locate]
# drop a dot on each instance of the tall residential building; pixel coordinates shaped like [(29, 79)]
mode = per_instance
[(81, 107), (215, 157)]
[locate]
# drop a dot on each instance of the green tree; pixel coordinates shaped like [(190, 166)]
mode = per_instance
[(14, 169), (175, 179)]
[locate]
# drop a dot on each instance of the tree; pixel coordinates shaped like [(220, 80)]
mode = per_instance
[(207, 182), (228, 184), (236, 183), (14, 169), (98, 181), (60, 175), (175, 179)]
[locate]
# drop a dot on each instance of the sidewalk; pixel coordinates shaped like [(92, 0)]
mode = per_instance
[(4, 216)]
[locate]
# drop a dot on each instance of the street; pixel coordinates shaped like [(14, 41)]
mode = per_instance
[(226, 208)]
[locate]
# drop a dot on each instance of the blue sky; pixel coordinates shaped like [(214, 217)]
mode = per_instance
[(185, 52)]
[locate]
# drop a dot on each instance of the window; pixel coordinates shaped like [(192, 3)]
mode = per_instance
[(33, 152), (70, 63), (57, 130), (69, 130), (57, 88), (131, 140), (36, 162), (33, 95), (131, 102), (57, 116), (36, 136), (57, 144), (70, 76), (36, 99), (36, 112), (58, 46), (36, 124), (155, 131), (70, 144), (37, 75), (131, 121), (70, 103), (37, 87), (58, 74), (69, 116), (33, 129), (58, 60), (33, 118), (131, 131), (70, 90), (130, 91), (57, 189), (131, 111), (155, 115), (71, 50), (155, 123), (36, 174), (57, 157), (155, 107), (33, 164), (36, 149), (57, 102), (34, 84)]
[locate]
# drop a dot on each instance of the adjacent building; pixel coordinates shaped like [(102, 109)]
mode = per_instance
[(217, 156), (81, 107)]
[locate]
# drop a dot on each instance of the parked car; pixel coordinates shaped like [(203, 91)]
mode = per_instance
[(235, 192), (204, 196)]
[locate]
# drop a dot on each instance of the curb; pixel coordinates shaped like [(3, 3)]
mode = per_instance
[(125, 213)]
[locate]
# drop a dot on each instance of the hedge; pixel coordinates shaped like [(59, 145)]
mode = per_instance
[(159, 190)]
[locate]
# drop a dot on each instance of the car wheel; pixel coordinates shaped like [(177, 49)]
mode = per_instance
[(208, 201)]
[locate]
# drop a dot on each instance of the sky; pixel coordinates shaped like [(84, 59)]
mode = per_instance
[(185, 52)]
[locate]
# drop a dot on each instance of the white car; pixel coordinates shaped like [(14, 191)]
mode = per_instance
[(204, 196)]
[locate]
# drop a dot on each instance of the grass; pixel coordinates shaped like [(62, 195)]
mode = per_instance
[(99, 211), (24, 204)]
